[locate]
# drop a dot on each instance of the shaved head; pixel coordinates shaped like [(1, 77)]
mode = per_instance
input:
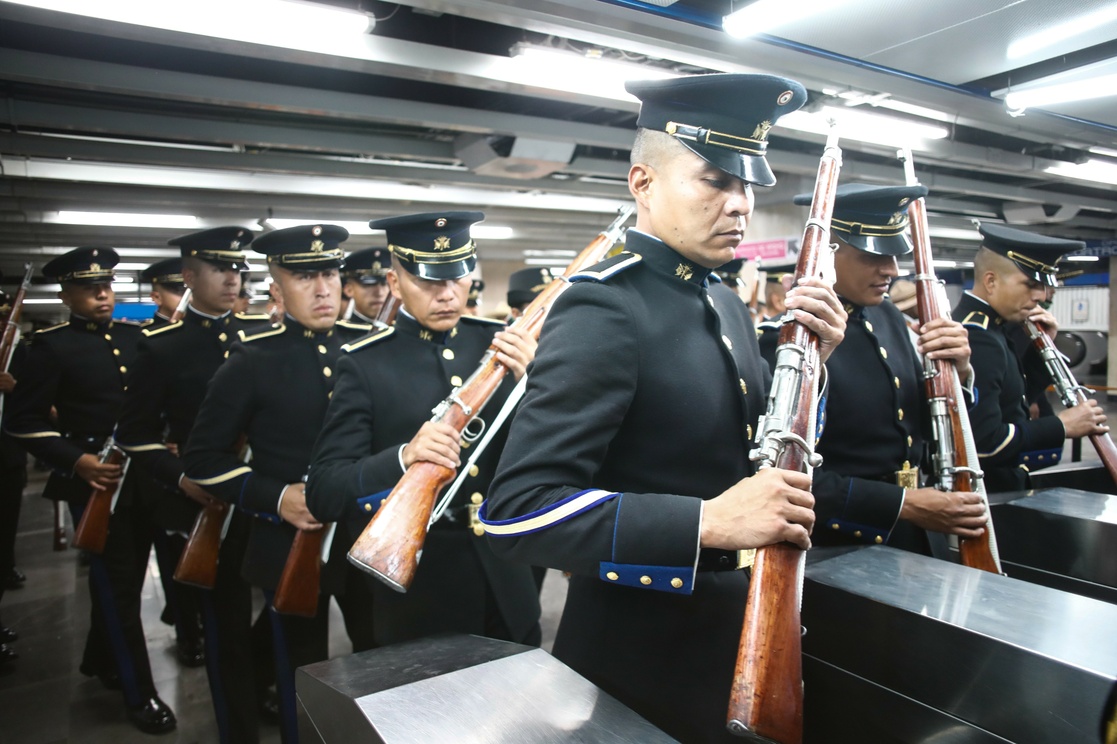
[(654, 148), (986, 260)]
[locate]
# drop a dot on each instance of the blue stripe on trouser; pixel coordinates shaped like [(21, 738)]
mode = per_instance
[(284, 676), (124, 662), (213, 669)]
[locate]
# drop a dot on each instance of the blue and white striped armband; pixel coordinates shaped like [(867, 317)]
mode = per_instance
[(554, 514)]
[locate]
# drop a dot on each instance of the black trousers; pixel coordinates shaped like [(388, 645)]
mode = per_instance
[(13, 478)]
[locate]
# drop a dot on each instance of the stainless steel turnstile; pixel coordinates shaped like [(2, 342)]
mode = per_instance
[(1059, 537), (460, 689), (904, 648)]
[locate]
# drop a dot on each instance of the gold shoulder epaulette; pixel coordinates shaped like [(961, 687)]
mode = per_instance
[(149, 332), (52, 328), (977, 319), (482, 320), (275, 331), (252, 316), (369, 340), (354, 325)]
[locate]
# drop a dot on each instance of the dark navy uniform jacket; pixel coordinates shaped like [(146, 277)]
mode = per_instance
[(641, 403), (166, 386), (388, 383), (274, 388), (79, 367), (876, 419), (1008, 442)]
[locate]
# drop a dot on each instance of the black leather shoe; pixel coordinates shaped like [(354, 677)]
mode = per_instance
[(191, 653), (7, 654), (153, 717), (15, 579), (7, 635)]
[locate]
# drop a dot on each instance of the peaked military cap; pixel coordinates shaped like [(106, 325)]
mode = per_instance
[(526, 284), (368, 266), (872, 218), (723, 118), (304, 247), (167, 272), (220, 246), (730, 270), (83, 266), (476, 287), (432, 245), (1035, 255)]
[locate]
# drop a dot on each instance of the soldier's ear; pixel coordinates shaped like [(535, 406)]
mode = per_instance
[(393, 284), (640, 179)]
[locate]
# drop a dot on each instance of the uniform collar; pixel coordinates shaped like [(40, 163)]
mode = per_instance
[(193, 317), (78, 323), (293, 326), (985, 307), (855, 312), (664, 260), (361, 318), (406, 324)]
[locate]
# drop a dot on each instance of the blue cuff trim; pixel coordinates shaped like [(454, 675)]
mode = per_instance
[(370, 504), (656, 578), (1040, 458), (862, 532), (545, 518)]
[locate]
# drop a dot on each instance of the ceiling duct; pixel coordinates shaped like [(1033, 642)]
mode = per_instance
[(512, 157)]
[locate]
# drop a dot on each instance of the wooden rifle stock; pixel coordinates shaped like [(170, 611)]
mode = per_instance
[(390, 546), (955, 458), (197, 565), (766, 700), (298, 588), (1071, 393), (60, 541), (388, 310), (93, 528), (11, 327)]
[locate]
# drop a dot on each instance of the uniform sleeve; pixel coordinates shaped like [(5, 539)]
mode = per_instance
[(27, 415), (140, 428), (1000, 443), (861, 509), (543, 507), (212, 459), (345, 470)]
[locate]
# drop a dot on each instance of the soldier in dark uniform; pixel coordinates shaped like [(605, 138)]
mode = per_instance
[(79, 367), (166, 386), (379, 424), (473, 297), (13, 478), (524, 286), (167, 287), (366, 283), (274, 390), (627, 463), (868, 487), (1012, 271)]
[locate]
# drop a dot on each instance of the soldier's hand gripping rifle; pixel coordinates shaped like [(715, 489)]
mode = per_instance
[(1070, 392), (389, 547), (766, 701), (93, 528), (954, 454), (197, 565)]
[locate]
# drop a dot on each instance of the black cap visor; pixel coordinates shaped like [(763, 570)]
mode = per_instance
[(880, 245), (439, 272), (752, 169)]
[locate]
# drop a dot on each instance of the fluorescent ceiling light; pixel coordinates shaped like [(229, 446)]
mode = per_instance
[(864, 126), (263, 21), (42, 300), (123, 219), (143, 143), (1106, 151), (269, 183), (1098, 171), (943, 264), (577, 73), (954, 233), (556, 267), (1084, 259), (1050, 95), (490, 232), (764, 15), (1061, 32), (481, 232)]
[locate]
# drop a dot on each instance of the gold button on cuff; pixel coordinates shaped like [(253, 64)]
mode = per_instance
[(896, 382), (447, 353), (222, 337), (368, 507), (677, 583), (884, 352), (321, 348), (473, 471), (612, 576), (728, 344), (645, 580), (878, 539), (456, 381), (327, 372), (900, 414)]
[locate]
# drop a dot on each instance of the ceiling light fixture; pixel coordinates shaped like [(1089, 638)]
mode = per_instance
[(764, 15), (1083, 259), (1061, 32), (1050, 95), (597, 76), (122, 219), (864, 126), (955, 233), (1098, 171)]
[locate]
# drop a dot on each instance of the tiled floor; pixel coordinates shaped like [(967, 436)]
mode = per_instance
[(43, 697)]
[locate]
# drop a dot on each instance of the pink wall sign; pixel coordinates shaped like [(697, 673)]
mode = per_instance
[(762, 250)]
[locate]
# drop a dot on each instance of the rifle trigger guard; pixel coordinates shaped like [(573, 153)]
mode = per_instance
[(471, 434)]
